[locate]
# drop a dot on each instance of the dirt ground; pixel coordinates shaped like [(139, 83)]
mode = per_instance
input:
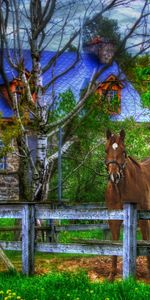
[(97, 267)]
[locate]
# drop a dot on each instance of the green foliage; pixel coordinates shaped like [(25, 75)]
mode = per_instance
[(9, 131), (8, 295), (66, 102), (110, 107), (57, 286), (146, 99), (103, 27), (7, 235), (109, 30), (142, 79), (114, 104)]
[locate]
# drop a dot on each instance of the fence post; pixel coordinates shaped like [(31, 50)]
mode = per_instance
[(28, 239), (129, 240)]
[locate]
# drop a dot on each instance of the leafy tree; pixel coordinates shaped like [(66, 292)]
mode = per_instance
[(102, 27), (142, 78), (108, 30)]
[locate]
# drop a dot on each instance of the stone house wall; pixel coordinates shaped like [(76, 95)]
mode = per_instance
[(9, 187), (9, 181)]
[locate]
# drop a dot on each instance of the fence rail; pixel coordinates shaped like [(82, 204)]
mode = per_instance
[(29, 212)]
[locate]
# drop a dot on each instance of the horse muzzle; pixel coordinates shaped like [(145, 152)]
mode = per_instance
[(114, 177)]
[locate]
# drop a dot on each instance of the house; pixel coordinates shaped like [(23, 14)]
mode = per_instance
[(77, 79), (112, 84)]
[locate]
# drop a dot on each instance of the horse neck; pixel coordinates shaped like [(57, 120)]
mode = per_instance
[(132, 168), (131, 174)]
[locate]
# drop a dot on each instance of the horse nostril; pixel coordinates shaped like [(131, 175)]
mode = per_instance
[(114, 177), (118, 176)]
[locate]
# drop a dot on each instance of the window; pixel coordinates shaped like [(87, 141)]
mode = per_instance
[(3, 159), (111, 98), (19, 89), (110, 95)]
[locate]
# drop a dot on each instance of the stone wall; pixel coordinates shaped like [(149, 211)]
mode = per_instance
[(9, 187)]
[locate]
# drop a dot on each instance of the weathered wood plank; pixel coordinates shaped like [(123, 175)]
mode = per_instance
[(144, 214), (11, 211), (29, 211), (143, 248), (6, 260), (17, 246), (129, 240), (86, 206), (81, 227), (99, 249), (76, 214), (28, 239), (73, 227), (14, 228)]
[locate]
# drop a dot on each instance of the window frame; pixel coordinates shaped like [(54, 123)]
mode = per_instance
[(3, 163)]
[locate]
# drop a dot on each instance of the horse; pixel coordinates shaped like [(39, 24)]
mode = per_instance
[(129, 181)]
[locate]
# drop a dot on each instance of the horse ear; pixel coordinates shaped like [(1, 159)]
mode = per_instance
[(122, 134), (108, 134)]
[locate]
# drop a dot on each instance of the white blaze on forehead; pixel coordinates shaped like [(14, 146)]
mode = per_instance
[(115, 146)]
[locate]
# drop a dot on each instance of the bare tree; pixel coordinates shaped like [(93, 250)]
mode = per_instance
[(35, 25)]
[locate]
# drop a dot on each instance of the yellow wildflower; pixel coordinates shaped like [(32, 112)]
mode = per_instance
[(8, 291), (1, 292)]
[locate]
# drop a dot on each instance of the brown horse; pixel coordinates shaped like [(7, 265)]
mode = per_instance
[(129, 181)]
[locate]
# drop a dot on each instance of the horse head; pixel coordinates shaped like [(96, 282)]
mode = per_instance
[(115, 155)]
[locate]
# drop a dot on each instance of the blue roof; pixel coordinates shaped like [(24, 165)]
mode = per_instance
[(77, 78), (5, 109)]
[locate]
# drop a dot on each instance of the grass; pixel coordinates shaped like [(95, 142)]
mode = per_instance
[(63, 237), (67, 286), (69, 236), (7, 235)]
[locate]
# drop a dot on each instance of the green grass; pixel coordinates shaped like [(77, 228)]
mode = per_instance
[(65, 286), (69, 236), (7, 236)]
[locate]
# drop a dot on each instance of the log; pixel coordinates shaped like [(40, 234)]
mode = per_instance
[(6, 260)]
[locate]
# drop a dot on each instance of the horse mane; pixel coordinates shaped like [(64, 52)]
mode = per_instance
[(135, 162)]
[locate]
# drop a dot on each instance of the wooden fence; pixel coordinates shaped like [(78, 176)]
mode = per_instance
[(28, 212)]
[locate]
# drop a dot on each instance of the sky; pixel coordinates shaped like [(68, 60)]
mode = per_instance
[(125, 15)]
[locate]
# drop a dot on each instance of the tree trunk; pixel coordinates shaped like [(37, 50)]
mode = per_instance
[(41, 165), (23, 172), (40, 176)]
